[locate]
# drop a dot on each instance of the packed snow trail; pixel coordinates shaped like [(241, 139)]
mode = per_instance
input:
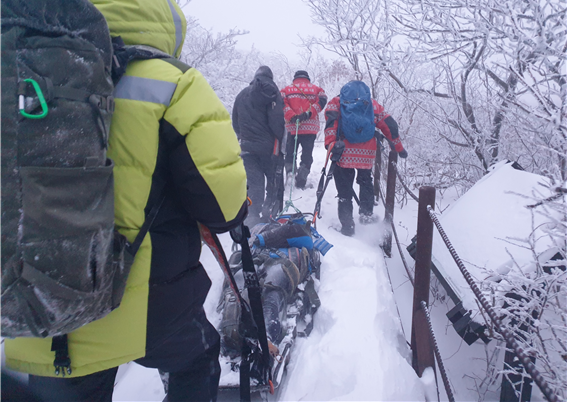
[(356, 351)]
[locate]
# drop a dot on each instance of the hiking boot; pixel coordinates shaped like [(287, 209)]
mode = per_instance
[(345, 216), (345, 210), (301, 177), (348, 229), (367, 219)]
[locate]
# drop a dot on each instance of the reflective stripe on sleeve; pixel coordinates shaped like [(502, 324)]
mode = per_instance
[(145, 90)]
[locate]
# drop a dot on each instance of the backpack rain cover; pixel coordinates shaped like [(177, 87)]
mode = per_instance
[(357, 113)]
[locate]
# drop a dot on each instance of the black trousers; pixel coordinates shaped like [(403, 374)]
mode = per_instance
[(344, 179), (260, 178), (307, 141), (190, 357), (197, 383)]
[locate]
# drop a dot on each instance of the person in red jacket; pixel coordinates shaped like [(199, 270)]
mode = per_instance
[(303, 101), (359, 156)]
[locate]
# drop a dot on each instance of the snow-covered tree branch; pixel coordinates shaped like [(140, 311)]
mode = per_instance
[(488, 76)]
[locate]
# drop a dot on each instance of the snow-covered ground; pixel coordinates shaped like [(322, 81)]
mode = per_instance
[(358, 349)]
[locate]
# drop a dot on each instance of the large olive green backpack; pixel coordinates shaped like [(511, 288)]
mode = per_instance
[(62, 260)]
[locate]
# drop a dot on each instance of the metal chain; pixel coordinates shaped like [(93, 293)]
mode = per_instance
[(424, 306), (415, 197), (410, 277), (507, 334), (438, 354), (444, 376), (403, 260)]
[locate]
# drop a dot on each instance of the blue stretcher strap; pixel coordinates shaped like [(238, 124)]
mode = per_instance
[(320, 243)]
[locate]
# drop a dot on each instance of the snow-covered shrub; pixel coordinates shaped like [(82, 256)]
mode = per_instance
[(531, 299)]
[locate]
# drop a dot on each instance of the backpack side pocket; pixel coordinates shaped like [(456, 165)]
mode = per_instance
[(66, 247)]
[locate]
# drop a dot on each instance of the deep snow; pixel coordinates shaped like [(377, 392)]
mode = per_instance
[(358, 349)]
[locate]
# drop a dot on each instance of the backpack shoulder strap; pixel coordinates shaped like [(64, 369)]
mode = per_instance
[(133, 248), (177, 63), (340, 132), (303, 93), (123, 54)]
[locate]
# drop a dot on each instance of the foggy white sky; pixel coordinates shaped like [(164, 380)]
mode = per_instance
[(274, 25)]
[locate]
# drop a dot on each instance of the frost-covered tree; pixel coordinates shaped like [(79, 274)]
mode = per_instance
[(532, 298), (357, 31), (362, 33), (472, 82), (480, 78), (216, 57), (229, 69), (502, 63)]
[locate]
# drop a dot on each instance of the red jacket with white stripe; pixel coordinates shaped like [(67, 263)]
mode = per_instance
[(361, 155), (299, 97)]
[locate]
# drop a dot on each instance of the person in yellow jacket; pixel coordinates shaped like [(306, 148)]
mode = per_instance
[(171, 139)]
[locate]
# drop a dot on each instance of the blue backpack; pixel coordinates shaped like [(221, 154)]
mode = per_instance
[(357, 113)]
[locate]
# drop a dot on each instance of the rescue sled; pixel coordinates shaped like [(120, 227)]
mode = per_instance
[(286, 254)]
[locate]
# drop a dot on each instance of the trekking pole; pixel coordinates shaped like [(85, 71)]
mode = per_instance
[(355, 197), (335, 152), (321, 187), (289, 203)]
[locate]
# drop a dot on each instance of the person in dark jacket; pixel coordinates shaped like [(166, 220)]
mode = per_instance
[(358, 158), (258, 120)]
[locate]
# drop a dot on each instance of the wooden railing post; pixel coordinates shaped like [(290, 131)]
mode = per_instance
[(422, 349), (377, 173), (390, 200)]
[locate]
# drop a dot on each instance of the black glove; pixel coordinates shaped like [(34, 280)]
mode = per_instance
[(403, 153), (322, 102), (304, 116), (337, 151)]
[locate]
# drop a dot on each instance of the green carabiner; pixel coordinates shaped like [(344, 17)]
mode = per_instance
[(41, 102)]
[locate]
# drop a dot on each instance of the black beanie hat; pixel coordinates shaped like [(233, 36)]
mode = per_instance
[(301, 74)]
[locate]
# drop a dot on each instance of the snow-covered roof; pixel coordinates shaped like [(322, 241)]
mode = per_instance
[(491, 229)]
